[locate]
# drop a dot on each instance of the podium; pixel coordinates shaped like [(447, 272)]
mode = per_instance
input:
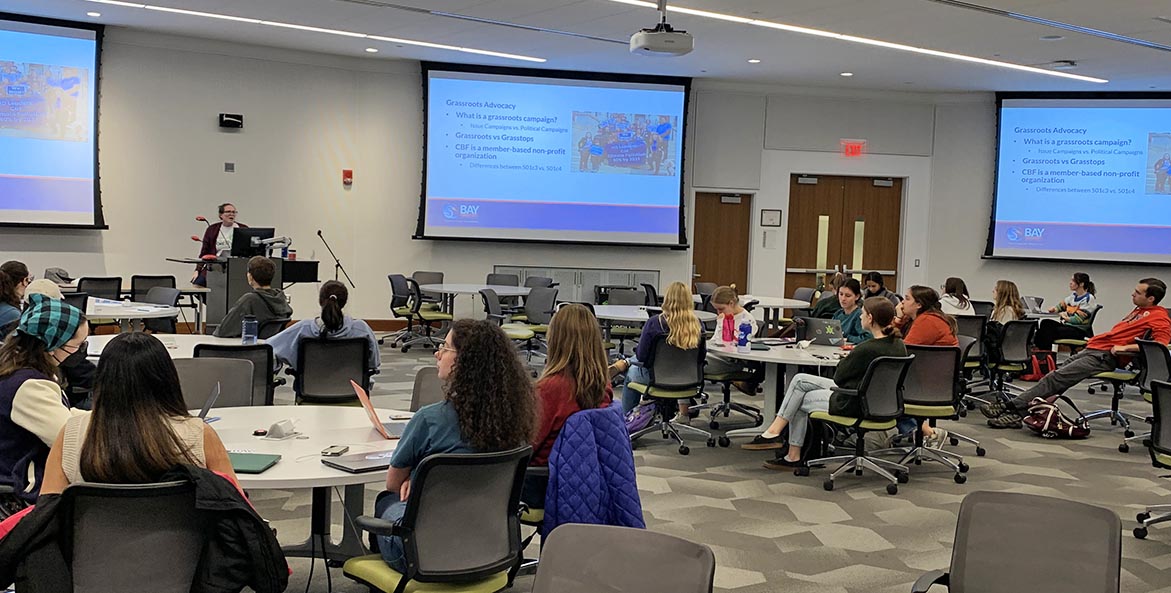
[(227, 281)]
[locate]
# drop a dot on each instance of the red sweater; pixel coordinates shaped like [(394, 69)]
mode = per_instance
[(555, 398), (930, 329), (1133, 326)]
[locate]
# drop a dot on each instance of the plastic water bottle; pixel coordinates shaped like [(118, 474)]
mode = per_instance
[(250, 329), (742, 336)]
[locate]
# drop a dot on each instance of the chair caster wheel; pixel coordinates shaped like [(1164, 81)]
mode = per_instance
[(963, 467), (725, 442), (980, 452), (960, 478), (963, 412), (828, 484), (711, 442), (1124, 448), (334, 563), (405, 349), (1140, 532), (759, 420), (970, 405), (802, 471), (1091, 390), (1128, 433), (892, 489), (1142, 517), (683, 450), (903, 477), (954, 441), (713, 425)]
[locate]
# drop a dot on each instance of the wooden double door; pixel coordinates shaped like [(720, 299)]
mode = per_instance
[(842, 224)]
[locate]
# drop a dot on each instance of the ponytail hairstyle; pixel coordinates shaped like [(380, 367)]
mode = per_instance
[(928, 301), (725, 295), (882, 311), (12, 273), (956, 288), (332, 298), (1083, 280)]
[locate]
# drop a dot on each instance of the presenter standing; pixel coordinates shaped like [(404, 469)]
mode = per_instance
[(217, 239)]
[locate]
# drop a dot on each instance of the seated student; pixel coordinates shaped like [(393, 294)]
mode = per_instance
[(811, 393), (1103, 353), (1007, 304), (14, 277), (827, 304), (332, 324), (139, 428), (924, 324), (683, 330), (79, 374), (850, 298), (575, 378), (489, 406), (954, 300), (1074, 311), (874, 285), (50, 335), (265, 303), (729, 316)]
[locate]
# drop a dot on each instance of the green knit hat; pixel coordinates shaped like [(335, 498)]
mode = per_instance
[(52, 322)]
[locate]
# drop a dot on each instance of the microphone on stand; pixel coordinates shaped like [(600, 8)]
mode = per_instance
[(196, 239), (203, 219)]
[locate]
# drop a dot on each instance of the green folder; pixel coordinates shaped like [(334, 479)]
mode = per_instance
[(252, 463)]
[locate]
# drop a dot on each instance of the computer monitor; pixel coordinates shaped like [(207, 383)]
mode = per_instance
[(246, 241)]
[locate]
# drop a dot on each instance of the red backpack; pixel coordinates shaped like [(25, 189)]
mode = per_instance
[(1046, 419), (1043, 363)]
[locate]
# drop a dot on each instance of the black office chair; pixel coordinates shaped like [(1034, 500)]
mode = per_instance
[(976, 359), (264, 382), (272, 327), (431, 299), (135, 538), (983, 308), (427, 389), (77, 299), (1155, 364), (505, 280), (161, 295), (423, 317), (109, 287), (1015, 355), (199, 376), (400, 307), (675, 375), (141, 284), (326, 366), (1159, 445), (461, 529), (653, 298)]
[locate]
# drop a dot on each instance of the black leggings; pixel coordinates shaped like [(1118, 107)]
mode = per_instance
[(1051, 329)]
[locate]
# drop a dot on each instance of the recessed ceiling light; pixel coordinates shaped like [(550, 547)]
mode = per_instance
[(754, 61), (860, 40), (1052, 37), (846, 74), (93, 14), (371, 50)]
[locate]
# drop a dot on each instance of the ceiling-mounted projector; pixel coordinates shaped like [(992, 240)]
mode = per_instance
[(662, 40)]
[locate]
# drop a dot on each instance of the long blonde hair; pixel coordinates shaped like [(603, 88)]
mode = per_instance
[(1008, 297), (679, 315), (576, 352)]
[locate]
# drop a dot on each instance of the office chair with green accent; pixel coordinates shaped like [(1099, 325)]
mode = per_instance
[(1075, 345), (880, 395), (675, 375), (1155, 362), (425, 317), (1159, 444)]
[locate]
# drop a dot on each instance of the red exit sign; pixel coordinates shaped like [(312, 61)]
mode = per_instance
[(853, 148)]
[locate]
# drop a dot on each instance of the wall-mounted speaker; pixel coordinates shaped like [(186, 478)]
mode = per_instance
[(231, 120)]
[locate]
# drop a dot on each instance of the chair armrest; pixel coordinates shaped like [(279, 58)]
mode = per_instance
[(933, 577), (537, 470), (499, 319), (844, 391), (380, 526), (6, 489)]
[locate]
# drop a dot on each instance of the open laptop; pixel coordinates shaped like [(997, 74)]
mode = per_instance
[(389, 430), (215, 394), (360, 463), (823, 332)]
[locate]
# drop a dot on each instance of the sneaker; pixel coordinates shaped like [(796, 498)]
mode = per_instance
[(683, 419), (994, 408), (1008, 419), (782, 463), (763, 443), (936, 439)]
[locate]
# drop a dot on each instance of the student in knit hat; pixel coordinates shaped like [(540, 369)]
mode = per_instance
[(50, 336)]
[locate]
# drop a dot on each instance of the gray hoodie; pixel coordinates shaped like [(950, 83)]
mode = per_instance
[(263, 303)]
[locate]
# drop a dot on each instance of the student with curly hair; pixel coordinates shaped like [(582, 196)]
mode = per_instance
[(489, 406)]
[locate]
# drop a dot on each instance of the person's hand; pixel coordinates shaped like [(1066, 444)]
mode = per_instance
[(1119, 350), (899, 310), (405, 490), (1064, 316)]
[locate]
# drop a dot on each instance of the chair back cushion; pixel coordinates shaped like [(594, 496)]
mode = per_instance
[(1014, 347), (261, 357), (933, 379), (973, 326), (539, 305), (675, 368), (1161, 429), (593, 558), (1155, 361), (101, 288), (198, 376), (428, 388), (326, 366), (881, 389)]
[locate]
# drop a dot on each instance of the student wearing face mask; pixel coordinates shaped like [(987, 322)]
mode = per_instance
[(50, 336), (78, 371)]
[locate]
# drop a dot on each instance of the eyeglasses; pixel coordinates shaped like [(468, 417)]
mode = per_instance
[(444, 348), (80, 347), (229, 212)]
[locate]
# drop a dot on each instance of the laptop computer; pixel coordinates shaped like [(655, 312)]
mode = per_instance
[(360, 463), (823, 332), (215, 394), (388, 430), (252, 463)]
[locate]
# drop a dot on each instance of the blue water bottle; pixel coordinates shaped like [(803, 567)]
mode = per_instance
[(742, 336), (250, 329)]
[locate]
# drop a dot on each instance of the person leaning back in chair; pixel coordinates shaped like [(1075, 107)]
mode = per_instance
[(1103, 353)]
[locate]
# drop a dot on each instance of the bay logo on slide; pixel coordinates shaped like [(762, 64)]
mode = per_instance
[(464, 212), (1029, 233)]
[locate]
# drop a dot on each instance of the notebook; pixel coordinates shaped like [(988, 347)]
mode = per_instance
[(388, 430), (252, 463), (360, 463)]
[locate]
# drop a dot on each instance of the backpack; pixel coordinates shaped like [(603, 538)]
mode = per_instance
[(1043, 363), (1045, 418), (640, 417)]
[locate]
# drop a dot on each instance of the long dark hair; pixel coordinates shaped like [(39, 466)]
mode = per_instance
[(875, 277), (333, 298), (136, 393), (928, 301), (12, 273), (577, 354), (956, 288), (1083, 280), (489, 387), (24, 351)]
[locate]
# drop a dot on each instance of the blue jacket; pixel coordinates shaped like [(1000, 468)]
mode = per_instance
[(591, 473)]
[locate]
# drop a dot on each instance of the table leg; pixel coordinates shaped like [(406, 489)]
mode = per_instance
[(351, 544), (778, 376)]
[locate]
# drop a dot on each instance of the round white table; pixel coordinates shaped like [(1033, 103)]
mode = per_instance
[(637, 314), (770, 307), (178, 345), (300, 465), (781, 364), (105, 308), (450, 291)]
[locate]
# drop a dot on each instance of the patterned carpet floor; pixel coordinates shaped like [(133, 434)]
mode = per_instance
[(773, 531)]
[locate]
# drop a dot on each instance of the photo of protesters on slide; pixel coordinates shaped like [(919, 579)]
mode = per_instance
[(632, 144), (1159, 163)]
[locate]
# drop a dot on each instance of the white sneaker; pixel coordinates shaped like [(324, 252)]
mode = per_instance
[(682, 419), (935, 440)]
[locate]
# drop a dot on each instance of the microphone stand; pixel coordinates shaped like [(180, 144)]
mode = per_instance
[(337, 263)]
